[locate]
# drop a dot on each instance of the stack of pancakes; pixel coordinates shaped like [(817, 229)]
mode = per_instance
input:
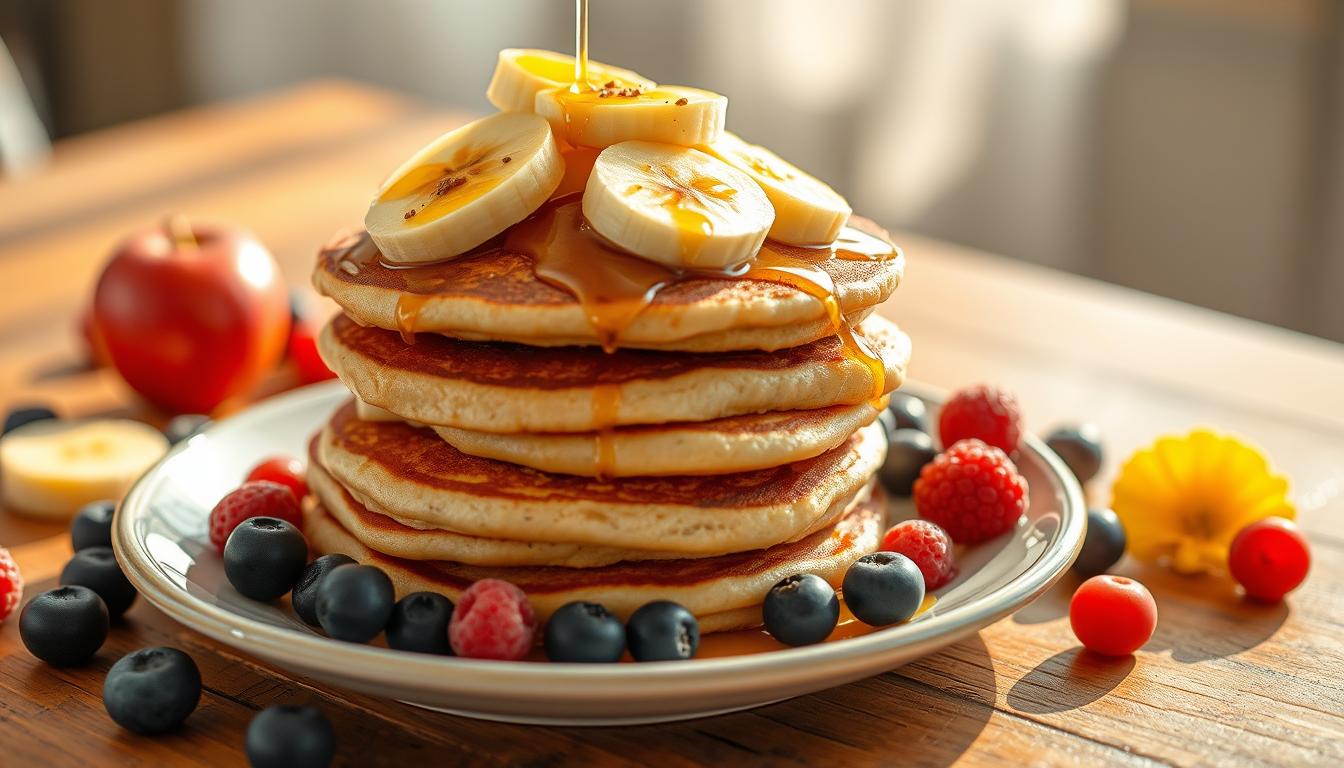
[(727, 439)]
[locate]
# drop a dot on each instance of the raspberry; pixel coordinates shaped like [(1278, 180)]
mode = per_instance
[(493, 620), (982, 412), (11, 585), (285, 470), (972, 490), (928, 545), (261, 498)]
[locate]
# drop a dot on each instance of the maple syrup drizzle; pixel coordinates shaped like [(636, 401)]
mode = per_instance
[(580, 47), (681, 199), (433, 190), (606, 405)]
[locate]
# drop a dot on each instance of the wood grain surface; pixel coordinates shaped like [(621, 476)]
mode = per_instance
[(1223, 682)]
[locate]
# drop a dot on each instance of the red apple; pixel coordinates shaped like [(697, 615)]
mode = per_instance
[(192, 316)]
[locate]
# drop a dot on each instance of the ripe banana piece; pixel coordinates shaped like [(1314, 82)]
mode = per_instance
[(671, 114), (676, 205), (522, 72), (464, 188), (52, 468), (807, 211)]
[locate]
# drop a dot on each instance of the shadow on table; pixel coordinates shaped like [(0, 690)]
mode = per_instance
[(1203, 617), (1068, 680), (1054, 604)]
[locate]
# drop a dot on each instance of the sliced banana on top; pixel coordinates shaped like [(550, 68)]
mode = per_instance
[(807, 211), (671, 114), (464, 188), (676, 205), (522, 72)]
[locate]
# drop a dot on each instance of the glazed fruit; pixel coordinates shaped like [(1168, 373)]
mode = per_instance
[(985, 413), (152, 690), (662, 631), (1269, 558), (264, 558), (18, 417), (304, 595), (419, 623), (908, 450), (908, 412), (11, 585), (97, 569), (1103, 546), (801, 610), (1112, 615), (92, 526), (258, 499), (883, 588), (584, 632), (354, 602), (493, 620), (1080, 448), (184, 427), (928, 546), (65, 626), (973, 491), (285, 736), (285, 470)]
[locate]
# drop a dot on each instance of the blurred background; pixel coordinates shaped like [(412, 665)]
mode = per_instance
[(1191, 148)]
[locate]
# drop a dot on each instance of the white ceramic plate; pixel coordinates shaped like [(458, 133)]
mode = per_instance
[(160, 538)]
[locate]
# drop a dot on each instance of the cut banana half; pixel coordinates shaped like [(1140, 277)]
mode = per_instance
[(52, 468), (522, 72), (671, 114), (677, 206), (464, 188), (807, 211)]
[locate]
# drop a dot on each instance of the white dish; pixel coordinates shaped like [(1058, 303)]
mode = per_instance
[(160, 539)]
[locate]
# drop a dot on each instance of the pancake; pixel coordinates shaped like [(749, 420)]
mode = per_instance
[(505, 388), (495, 295), (723, 592), (718, 447), (413, 475)]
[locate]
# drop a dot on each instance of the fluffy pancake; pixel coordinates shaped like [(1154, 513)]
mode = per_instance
[(494, 295), (723, 592), (718, 447), (503, 388), (413, 475)]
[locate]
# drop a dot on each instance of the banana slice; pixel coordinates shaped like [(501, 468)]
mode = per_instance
[(464, 188), (671, 114), (52, 468), (807, 211), (677, 206), (522, 72)]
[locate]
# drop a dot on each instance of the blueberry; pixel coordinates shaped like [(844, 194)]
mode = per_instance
[(586, 632), (304, 597), (1103, 546), (354, 602), (909, 412), (801, 610), (64, 626), (290, 737), (883, 588), (97, 569), (264, 557), (908, 450), (1080, 448), (419, 623), (19, 417), (187, 425), (662, 631), (92, 526), (152, 690)]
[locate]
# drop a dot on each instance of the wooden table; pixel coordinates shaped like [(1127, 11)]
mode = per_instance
[(1223, 682)]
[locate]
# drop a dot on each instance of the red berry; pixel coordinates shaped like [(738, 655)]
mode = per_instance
[(493, 620), (284, 470), (1113, 615), (985, 413), (972, 490), (1269, 558), (256, 499), (928, 545), (303, 351), (11, 585)]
